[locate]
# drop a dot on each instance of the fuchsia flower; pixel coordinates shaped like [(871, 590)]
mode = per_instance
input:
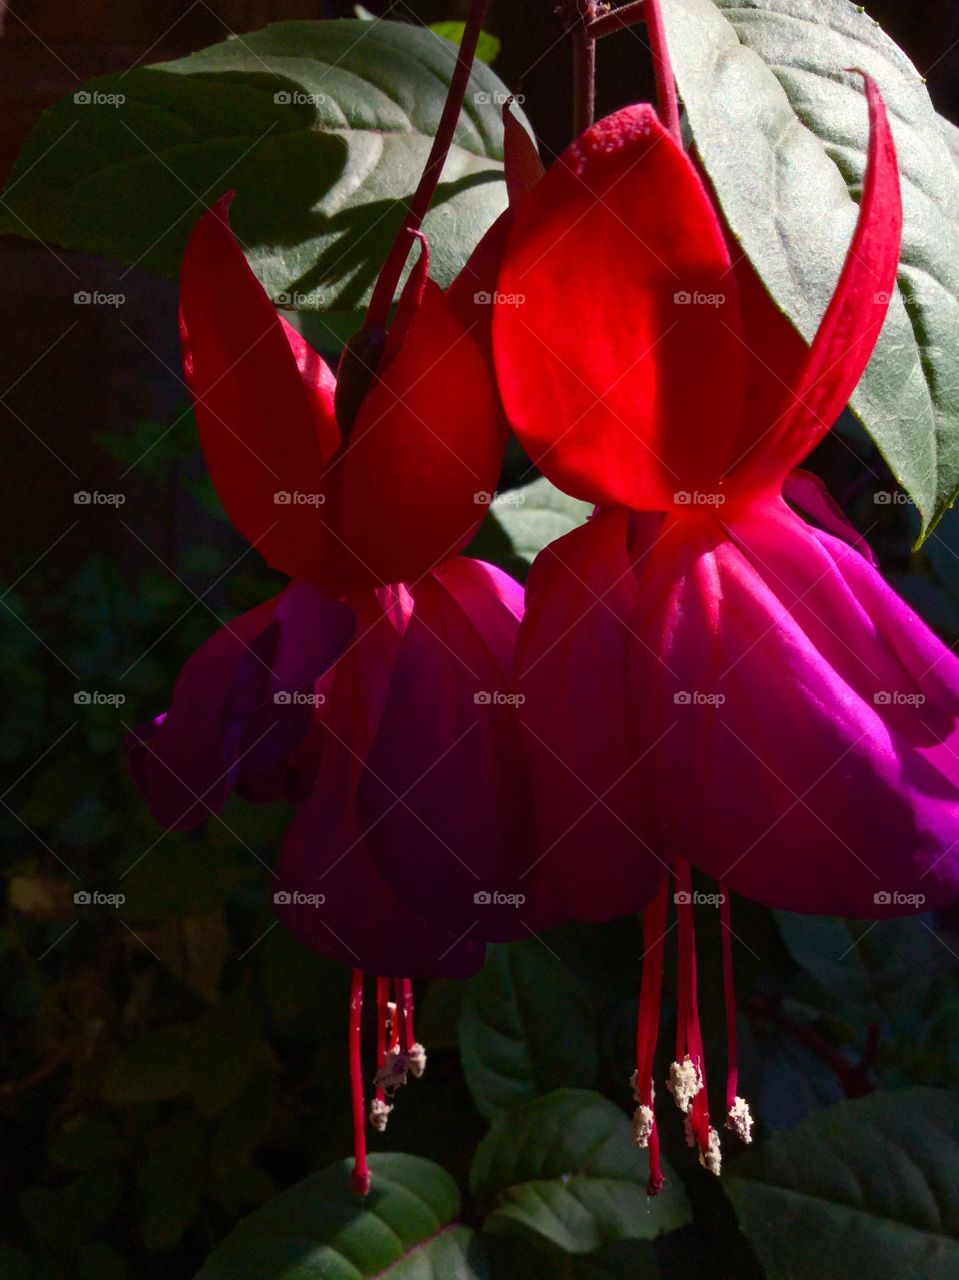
[(710, 680), (371, 691)]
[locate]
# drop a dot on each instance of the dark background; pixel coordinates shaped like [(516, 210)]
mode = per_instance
[(162, 1074)]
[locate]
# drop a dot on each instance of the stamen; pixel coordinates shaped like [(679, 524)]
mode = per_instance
[(414, 1051), (738, 1118), (684, 1082), (384, 1031), (689, 1041), (379, 1113), (360, 1176), (645, 1131)]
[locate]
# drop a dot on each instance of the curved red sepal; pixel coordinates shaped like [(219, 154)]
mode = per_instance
[(622, 366), (263, 398)]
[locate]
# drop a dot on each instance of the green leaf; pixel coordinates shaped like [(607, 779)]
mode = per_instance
[(863, 1188), (321, 127), (871, 969), (164, 884), (527, 1027), (487, 47), (782, 130), (154, 1067), (404, 1230), (521, 522), (565, 1167)]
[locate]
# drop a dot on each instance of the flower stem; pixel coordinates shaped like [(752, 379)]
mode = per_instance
[(360, 1177), (389, 276), (627, 15), (663, 69)]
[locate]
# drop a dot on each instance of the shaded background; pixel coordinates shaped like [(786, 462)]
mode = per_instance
[(163, 1073)]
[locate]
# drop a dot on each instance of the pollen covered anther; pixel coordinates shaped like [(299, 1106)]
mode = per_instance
[(379, 1114), (394, 1071), (417, 1059), (740, 1121), (684, 1082), (643, 1122), (712, 1157)]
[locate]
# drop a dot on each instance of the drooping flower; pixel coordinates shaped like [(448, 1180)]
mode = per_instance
[(746, 694), (374, 691)]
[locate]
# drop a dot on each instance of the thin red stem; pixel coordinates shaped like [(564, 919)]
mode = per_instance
[(647, 1024), (729, 993), (389, 277), (360, 1177), (584, 79), (627, 15), (406, 1000), (663, 70), (382, 1018)]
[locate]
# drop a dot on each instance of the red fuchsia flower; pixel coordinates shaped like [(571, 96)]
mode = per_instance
[(374, 691), (741, 691)]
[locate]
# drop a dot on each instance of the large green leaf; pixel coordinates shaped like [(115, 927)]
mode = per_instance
[(782, 126), (322, 128), (871, 969), (405, 1229), (564, 1167), (527, 1027), (863, 1188)]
